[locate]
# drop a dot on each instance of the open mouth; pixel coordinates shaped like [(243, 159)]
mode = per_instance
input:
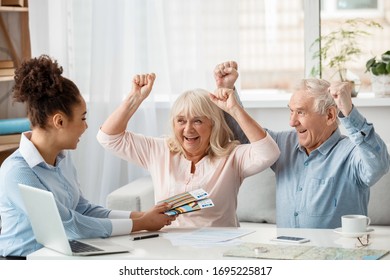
[(191, 139)]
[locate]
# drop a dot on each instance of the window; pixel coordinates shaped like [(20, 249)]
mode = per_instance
[(268, 38), (335, 12), (271, 40), (354, 8)]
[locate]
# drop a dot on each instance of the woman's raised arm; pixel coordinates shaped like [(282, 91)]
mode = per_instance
[(142, 85)]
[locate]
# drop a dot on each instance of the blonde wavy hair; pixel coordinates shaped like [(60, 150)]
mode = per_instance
[(197, 103)]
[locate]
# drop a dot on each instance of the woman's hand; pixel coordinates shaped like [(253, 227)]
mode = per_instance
[(142, 85), (225, 99), (116, 123), (153, 219)]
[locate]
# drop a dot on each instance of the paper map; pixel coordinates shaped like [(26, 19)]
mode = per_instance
[(302, 252)]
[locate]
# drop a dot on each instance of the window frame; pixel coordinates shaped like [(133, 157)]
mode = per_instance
[(312, 31), (330, 11)]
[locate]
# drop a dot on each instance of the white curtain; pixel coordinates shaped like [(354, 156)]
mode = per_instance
[(101, 44)]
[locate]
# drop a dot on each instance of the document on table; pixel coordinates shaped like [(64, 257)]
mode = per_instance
[(206, 237), (301, 252)]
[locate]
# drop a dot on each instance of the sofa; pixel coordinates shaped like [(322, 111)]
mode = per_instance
[(256, 199)]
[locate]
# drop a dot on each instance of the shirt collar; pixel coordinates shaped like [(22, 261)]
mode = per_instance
[(330, 142), (31, 154), (327, 145)]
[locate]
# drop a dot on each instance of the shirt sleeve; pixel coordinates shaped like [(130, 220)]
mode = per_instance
[(88, 209), (117, 223), (371, 156), (119, 214), (132, 147), (257, 156), (121, 226), (121, 223), (233, 125)]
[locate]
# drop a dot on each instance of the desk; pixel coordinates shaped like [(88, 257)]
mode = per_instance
[(161, 247)]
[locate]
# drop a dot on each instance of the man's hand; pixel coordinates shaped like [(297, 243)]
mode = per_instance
[(142, 85), (226, 74), (341, 93), (225, 99)]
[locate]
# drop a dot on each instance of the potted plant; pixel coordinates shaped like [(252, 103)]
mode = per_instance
[(380, 74), (340, 47)]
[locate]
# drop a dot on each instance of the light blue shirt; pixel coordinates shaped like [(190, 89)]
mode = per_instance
[(81, 219), (314, 191)]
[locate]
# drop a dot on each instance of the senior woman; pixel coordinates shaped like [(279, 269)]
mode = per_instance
[(200, 153)]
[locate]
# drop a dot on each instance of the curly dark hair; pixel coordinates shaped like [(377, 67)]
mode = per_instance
[(39, 83)]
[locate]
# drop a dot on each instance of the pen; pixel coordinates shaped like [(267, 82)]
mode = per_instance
[(146, 236)]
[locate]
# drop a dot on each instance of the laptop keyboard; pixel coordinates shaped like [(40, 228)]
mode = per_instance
[(80, 247)]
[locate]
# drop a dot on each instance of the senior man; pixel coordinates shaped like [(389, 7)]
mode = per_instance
[(321, 174)]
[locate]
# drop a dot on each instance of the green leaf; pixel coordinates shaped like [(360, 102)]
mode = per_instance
[(370, 63), (381, 68), (386, 56), (388, 68)]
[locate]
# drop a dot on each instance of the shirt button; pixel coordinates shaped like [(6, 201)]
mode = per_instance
[(300, 189), (295, 214), (306, 164)]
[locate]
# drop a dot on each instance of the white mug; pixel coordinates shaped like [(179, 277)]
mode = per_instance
[(354, 223)]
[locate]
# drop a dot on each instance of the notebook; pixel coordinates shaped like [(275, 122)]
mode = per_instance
[(49, 230)]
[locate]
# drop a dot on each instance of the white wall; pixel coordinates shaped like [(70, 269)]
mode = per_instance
[(380, 117)]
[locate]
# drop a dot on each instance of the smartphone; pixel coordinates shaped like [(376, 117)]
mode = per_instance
[(290, 239)]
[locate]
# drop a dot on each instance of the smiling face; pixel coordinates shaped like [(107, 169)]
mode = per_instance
[(78, 124), (312, 128), (74, 126), (193, 134)]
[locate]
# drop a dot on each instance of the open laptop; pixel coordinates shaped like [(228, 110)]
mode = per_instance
[(49, 230)]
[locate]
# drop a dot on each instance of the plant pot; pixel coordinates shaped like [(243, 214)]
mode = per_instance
[(380, 85)]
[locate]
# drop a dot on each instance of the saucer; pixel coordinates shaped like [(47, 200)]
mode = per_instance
[(352, 234)]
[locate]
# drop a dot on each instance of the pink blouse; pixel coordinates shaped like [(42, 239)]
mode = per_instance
[(171, 173)]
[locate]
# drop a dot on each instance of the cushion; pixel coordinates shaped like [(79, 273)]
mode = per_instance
[(137, 195), (256, 198), (379, 204)]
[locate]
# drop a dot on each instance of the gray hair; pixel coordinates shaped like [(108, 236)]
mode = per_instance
[(319, 90)]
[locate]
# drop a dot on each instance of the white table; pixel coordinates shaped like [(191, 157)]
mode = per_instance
[(161, 247)]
